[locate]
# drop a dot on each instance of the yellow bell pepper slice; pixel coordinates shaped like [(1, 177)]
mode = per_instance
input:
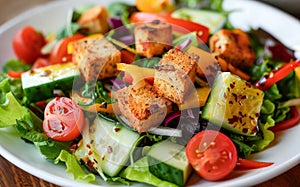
[(107, 108), (70, 44), (197, 98)]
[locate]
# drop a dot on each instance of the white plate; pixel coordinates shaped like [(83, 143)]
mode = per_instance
[(285, 152)]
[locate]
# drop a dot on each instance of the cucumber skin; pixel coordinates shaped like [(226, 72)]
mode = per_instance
[(165, 171), (45, 91), (210, 107)]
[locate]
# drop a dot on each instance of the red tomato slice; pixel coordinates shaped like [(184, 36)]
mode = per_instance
[(59, 53), (27, 44), (212, 154), (63, 119)]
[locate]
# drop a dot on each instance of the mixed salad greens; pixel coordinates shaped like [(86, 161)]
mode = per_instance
[(76, 115)]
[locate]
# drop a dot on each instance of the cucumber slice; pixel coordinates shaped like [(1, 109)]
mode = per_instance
[(234, 104), (108, 145), (168, 162), (38, 84), (213, 20)]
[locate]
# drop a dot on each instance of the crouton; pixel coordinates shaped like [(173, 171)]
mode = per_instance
[(174, 76), (96, 58), (142, 107), (153, 38), (234, 47), (95, 20)]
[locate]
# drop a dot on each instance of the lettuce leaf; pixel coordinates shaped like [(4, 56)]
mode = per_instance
[(139, 172), (8, 107), (268, 135), (31, 130), (74, 168), (15, 65)]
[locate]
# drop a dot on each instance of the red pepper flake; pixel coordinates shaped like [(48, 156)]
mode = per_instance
[(73, 147), (90, 165), (109, 149), (245, 130), (90, 152), (233, 120), (46, 73), (88, 146), (232, 85), (117, 129)]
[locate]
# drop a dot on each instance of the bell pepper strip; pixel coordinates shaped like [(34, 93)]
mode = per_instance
[(14, 74), (127, 56), (191, 101), (267, 80), (137, 73), (246, 164), (179, 25), (102, 107), (286, 124)]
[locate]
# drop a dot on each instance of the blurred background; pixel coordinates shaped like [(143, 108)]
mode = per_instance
[(291, 6), (11, 8)]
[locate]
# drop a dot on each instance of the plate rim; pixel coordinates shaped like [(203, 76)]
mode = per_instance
[(67, 182)]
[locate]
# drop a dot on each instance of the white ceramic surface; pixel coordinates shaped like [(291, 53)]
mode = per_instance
[(285, 152)]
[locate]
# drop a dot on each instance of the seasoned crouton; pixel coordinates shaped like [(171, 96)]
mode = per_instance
[(142, 107), (174, 76), (234, 47), (153, 38), (95, 20), (96, 58)]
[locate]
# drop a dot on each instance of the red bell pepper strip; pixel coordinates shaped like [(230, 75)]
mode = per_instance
[(245, 164), (178, 25), (14, 74), (294, 120), (127, 56), (276, 75)]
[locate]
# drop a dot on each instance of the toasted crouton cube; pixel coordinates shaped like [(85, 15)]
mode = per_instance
[(96, 58), (142, 107), (95, 20), (153, 38), (175, 75), (234, 47)]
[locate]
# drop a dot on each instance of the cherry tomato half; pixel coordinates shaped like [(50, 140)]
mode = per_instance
[(59, 53), (63, 119), (27, 44), (212, 154)]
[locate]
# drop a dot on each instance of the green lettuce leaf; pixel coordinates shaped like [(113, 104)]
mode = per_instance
[(15, 65), (243, 149), (8, 107), (139, 172), (31, 130), (74, 168), (268, 135)]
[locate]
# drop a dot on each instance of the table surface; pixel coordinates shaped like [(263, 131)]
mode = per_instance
[(11, 175)]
